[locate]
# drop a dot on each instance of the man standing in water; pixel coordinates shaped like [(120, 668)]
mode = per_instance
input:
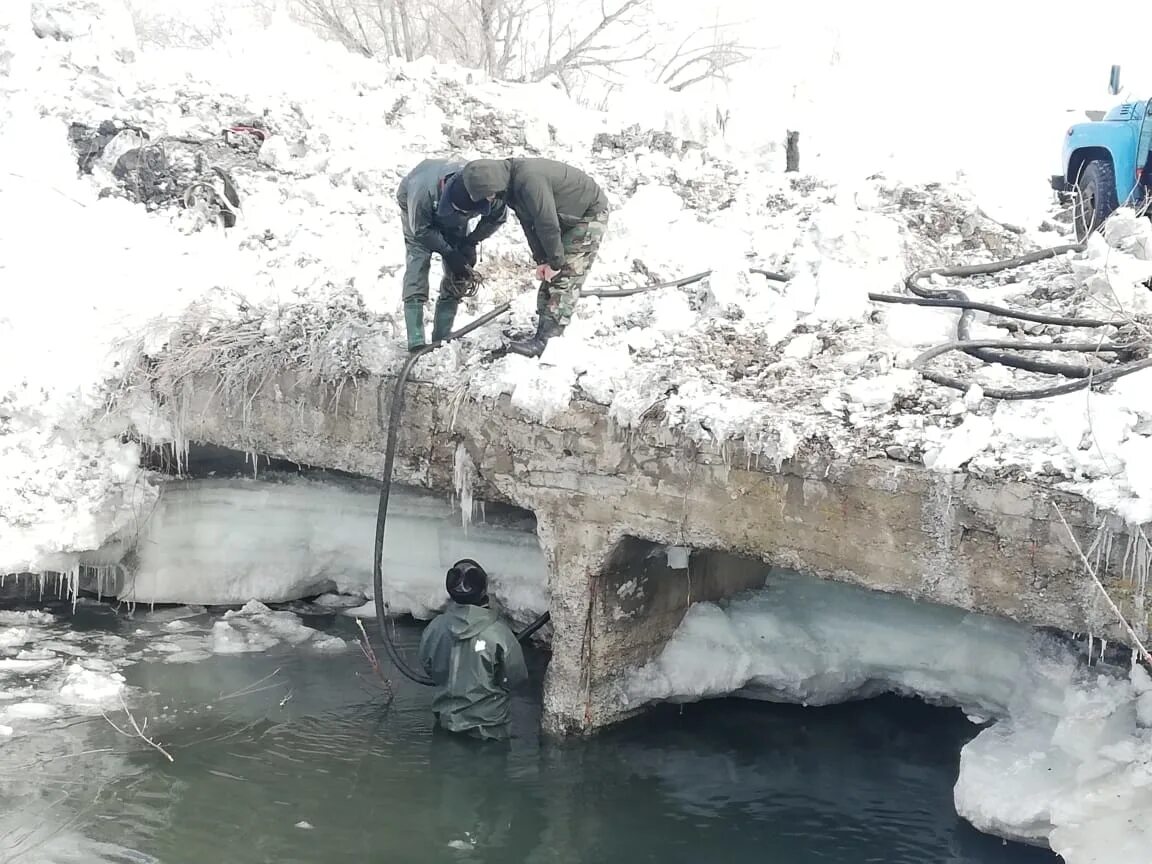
[(473, 657)]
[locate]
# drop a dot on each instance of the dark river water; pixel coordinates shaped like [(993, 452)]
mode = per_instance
[(293, 757)]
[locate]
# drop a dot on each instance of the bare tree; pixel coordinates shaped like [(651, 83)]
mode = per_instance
[(703, 55), (530, 39), (488, 34), (339, 20), (599, 46)]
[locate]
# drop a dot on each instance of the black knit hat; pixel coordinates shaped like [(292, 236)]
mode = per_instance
[(455, 197), (467, 583)]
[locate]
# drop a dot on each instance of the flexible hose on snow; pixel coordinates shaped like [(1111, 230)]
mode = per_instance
[(985, 349), (395, 414)]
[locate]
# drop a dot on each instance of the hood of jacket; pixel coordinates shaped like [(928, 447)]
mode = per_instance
[(484, 177), (465, 622)]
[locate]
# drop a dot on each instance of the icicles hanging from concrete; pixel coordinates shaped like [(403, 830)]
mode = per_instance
[(66, 583), (463, 476)]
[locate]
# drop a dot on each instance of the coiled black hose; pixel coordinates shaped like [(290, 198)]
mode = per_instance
[(985, 350)]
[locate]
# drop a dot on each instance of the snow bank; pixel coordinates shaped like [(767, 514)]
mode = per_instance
[(217, 542), (1067, 760)]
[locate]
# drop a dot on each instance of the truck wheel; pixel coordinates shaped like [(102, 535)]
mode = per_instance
[(1095, 197)]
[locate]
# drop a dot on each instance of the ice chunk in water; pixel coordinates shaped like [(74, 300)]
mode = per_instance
[(325, 644), (226, 639), (33, 616), (12, 636), (284, 626), (89, 687), (177, 613), (30, 711), (27, 667), (339, 601)]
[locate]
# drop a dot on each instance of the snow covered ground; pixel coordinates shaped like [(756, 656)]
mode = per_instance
[(1067, 759), (313, 267)]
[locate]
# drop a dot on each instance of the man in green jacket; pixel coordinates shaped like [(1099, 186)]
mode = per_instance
[(564, 214), (473, 658), (436, 223)]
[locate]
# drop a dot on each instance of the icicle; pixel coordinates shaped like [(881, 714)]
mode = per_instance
[(463, 475), (74, 583), (1089, 648)]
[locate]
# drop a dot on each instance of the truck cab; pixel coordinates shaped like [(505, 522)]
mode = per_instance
[(1106, 162)]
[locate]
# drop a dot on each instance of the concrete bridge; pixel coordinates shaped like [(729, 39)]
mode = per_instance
[(609, 503)]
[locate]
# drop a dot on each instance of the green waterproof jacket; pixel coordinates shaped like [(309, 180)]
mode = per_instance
[(475, 661), (418, 195), (548, 196)]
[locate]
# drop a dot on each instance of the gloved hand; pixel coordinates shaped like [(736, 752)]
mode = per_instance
[(456, 263), (545, 273), (468, 250)]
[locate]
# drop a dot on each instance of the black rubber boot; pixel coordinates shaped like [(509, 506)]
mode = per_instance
[(546, 328)]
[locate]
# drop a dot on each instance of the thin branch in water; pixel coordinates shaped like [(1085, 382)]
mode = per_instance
[(370, 655), (251, 688), (138, 729)]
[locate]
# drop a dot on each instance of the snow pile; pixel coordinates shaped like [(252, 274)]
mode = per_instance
[(1076, 772), (1068, 760)]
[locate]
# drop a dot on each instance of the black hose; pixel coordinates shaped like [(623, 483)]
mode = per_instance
[(964, 325), (1020, 395), (628, 292), (396, 412), (983, 349), (534, 626), (1002, 311)]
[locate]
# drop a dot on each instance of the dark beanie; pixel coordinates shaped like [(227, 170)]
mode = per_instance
[(467, 583), (456, 195)]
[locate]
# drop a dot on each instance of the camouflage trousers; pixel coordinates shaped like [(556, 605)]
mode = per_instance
[(581, 243)]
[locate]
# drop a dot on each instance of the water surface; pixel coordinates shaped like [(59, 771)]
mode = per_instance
[(290, 757)]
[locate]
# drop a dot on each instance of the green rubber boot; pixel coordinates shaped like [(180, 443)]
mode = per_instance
[(414, 321), (444, 317)]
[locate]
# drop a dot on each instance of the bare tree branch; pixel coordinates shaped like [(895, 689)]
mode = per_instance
[(579, 51), (688, 66), (139, 730)]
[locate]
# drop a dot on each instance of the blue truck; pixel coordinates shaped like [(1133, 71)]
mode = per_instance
[(1107, 162)]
